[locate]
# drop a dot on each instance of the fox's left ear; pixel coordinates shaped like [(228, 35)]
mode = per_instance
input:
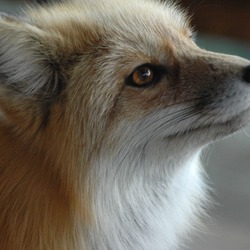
[(28, 68)]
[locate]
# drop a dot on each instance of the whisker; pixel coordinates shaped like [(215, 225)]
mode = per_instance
[(164, 116), (182, 115), (245, 132), (182, 118), (160, 118)]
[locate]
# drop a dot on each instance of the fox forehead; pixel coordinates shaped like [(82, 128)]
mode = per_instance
[(142, 26)]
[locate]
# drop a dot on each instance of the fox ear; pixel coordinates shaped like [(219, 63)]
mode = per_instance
[(28, 68)]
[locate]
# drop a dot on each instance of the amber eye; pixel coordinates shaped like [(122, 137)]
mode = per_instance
[(143, 75), (146, 75)]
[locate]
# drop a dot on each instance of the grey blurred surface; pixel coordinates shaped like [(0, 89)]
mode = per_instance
[(12, 6), (228, 166)]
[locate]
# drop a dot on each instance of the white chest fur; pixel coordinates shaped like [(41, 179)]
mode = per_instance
[(147, 201)]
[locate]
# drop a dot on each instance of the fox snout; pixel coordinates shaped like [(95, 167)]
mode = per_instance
[(218, 82), (217, 68)]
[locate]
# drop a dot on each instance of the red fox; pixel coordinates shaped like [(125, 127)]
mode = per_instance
[(105, 107)]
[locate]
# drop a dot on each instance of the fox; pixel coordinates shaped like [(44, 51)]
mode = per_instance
[(105, 109)]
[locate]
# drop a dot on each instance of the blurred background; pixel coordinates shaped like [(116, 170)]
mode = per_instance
[(223, 26)]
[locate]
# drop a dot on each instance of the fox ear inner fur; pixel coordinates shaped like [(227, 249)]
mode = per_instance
[(28, 69)]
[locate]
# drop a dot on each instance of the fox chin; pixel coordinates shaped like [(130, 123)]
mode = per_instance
[(105, 107)]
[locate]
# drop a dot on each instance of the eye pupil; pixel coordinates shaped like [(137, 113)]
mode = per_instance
[(143, 75)]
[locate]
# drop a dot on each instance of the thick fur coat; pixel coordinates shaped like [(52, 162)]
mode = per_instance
[(105, 107)]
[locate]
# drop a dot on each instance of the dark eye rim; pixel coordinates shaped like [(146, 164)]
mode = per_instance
[(158, 70)]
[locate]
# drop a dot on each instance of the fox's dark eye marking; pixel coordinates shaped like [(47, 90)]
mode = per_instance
[(146, 75)]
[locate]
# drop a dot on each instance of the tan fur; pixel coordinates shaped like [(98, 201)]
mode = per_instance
[(39, 188)]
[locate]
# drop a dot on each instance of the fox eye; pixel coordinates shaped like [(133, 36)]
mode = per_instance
[(145, 75)]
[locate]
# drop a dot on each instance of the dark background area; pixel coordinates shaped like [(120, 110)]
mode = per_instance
[(230, 18)]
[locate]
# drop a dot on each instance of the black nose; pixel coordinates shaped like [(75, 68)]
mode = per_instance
[(246, 74)]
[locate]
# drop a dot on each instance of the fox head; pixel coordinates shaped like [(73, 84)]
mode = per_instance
[(117, 80), (115, 67)]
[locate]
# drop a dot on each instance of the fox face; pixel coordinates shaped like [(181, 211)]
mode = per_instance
[(135, 68), (104, 108)]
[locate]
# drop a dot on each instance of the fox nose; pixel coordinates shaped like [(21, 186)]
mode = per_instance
[(246, 74)]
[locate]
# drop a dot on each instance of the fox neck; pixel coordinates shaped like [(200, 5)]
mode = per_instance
[(144, 199)]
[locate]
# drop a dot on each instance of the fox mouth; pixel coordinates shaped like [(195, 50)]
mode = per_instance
[(219, 129)]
